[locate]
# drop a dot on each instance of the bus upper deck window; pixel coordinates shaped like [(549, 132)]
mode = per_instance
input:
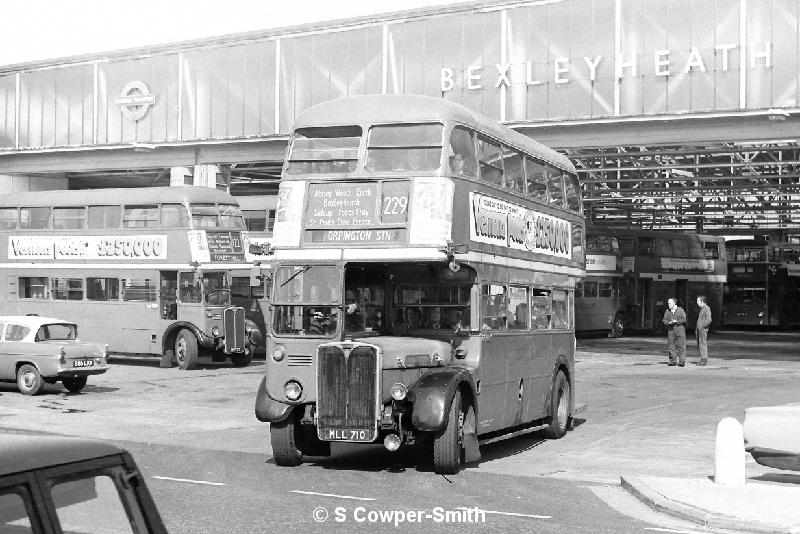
[(327, 150), (711, 250), (512, 166), (174, 216), (68, 218), (140, 217), (230, 216), (405, 147), (204, 215), (462, 160), (104, 217), (555, 187), (491, 162), (8, 218), (573, 192), (34, 218), (536, 178)]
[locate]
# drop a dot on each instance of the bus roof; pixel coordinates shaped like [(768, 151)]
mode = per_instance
[(134, 195), (19, 452), (381, 109)]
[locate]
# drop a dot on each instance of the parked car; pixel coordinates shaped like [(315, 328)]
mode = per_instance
[(772, 435), (37, 350), (60, 484)]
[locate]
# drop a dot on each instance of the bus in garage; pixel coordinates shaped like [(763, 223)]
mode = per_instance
[(145, 270), (425, 262), (763, 284), (599, 302)]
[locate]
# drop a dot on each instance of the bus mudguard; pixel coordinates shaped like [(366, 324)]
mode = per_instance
[(168, 340), (433, 393), (268, 410)]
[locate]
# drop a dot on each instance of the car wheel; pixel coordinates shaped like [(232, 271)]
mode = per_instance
[(285, 438), (29, 381), (243, 359), (618, 326), (74, 384), (559, 408), (447, 443), (186, 350)]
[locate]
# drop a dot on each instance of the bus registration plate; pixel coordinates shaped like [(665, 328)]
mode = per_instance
[(83, 363), (341, 434)]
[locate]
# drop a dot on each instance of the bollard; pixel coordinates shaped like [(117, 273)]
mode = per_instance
[(729, 453)]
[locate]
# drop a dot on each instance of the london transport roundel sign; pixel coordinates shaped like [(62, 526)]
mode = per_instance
[(135, 100)]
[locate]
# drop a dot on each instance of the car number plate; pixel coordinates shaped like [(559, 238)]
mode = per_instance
[(83, 363), (341, 434)]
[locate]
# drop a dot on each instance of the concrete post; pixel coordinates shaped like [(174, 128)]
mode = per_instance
[(729, 453)]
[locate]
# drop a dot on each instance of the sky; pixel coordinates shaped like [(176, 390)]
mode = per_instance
[(34, 30)]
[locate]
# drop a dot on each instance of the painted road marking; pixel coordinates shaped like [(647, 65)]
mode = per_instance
[(333, 495), (191, 481), (513, 514), (657, 529)]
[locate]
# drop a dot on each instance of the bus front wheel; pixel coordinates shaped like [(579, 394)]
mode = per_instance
[(559, 408), (285, 438), (618, 326), (186, 350), (448, 442)]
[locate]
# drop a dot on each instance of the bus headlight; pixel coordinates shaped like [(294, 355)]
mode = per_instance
[(215, 331), (398, 391), (292, 390), (278, 353)]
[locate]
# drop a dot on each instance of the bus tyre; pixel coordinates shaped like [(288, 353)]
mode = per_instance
[(74, 384), (559, 408), (243, 359), (618, 326), (447, 443), (186, 350), (285, 437), (29, 381)]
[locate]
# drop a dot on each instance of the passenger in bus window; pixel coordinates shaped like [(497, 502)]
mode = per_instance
[(412, 318), (436, 321)]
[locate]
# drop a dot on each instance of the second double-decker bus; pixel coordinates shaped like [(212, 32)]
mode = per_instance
[(599, 303), (654, 267), (425, 262), (145, 270), (763, 283)]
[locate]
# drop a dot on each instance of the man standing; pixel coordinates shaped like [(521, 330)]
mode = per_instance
[(675, 321), (703, 323)]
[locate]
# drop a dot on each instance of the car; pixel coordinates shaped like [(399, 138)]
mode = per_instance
[(64, 484), (772, 435), (37, 350)]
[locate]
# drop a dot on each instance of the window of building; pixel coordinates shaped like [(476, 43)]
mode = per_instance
[(555, 186), (104, 217), (518, 308), (68, 218), (139, 290), (67, 288), (8, 218), (174, 216), (490, 157), (462, 161), (34, 218), (102, 289), (536, 178), (33, 287), (140, 217)]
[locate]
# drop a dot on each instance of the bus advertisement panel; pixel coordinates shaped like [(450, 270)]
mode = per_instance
[(763, 283), (146, 270), (422, 286)]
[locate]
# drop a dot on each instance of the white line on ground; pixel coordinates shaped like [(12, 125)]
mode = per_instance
[(191, 481), (332, 495), (672, 530), (514, 514)]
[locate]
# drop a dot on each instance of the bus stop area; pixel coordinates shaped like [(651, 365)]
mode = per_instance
[(643, 426)]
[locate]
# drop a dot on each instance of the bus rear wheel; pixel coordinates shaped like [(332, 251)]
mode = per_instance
[(285, 438), (448, 442), (559, 408), (74, 384), (186, 350), (618, 326), (243, 359)]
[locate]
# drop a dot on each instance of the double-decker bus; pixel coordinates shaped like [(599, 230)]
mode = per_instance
[(599, 302), (146, 271), (659, 265), (763, 283), (425, 263)]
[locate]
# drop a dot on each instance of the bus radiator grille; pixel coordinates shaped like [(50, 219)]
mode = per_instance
[(234, 329), (347, 395)]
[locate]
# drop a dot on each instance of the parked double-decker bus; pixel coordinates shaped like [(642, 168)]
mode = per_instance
[(763, 283), (660, 265), (145, 270), (425, 262), (599, 302)]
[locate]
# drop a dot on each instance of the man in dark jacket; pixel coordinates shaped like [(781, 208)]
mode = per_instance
[(675, 321), (701, 331)]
